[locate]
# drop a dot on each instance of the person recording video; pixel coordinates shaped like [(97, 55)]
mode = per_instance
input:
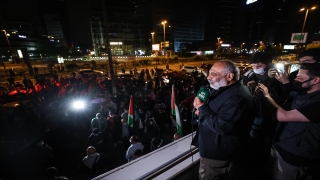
[(225, 120), (287, 80)]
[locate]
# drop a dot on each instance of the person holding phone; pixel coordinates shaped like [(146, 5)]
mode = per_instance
[(264, 125), (261, 63), (296, 145), (287, 80)]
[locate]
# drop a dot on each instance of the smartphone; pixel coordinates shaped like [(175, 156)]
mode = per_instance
[(280, 66), (294, 67)]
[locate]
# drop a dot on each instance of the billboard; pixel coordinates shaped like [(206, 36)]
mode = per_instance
[(225, 45), (288, 47), (165, 44), (299, 37), (155, 47)]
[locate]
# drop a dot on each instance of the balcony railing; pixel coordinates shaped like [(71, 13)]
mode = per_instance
[(168, 162)]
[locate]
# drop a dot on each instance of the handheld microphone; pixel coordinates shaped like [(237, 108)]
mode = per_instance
[(203, 94)]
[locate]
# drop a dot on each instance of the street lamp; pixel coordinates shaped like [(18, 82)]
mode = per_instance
[(5, 32), (241, 47), (164, 30), (218, 45), (304, 22), (152, 37)]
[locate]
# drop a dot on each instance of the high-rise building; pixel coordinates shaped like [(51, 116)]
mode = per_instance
[(188, 22), (55, 29), (54, 17), (122, 21), (126, 28), (185, 22), (98, 25), (263, 18), (224, 21), (21, 22)]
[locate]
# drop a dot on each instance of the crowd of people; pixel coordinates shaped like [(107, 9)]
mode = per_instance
[(43, 130)]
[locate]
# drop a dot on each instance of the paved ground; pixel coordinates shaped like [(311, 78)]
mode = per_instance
[(44, 71)]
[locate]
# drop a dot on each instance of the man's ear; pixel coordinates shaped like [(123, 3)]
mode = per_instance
[(230, 76), (317, 79)]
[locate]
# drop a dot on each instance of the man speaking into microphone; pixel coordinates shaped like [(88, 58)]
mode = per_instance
[(224, 123)]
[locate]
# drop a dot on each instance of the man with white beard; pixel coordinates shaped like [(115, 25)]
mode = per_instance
[(224, 123)]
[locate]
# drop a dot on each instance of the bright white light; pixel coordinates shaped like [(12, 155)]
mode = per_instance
[(250, 1), (78, 105)]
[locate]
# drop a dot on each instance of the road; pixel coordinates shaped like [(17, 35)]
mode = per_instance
[(43, 67)]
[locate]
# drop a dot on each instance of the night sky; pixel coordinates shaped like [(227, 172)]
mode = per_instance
[(76, 15)]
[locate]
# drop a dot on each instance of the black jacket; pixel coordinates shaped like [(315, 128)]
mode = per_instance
[(225, 123), (298, 143)]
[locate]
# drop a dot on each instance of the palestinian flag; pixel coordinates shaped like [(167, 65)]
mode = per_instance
[(130, 113), (175, 111)]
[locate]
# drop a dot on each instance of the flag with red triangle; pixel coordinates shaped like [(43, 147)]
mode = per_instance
[(175, 111), (130, 113)]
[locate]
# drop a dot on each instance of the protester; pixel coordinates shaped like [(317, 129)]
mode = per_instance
[(36, 70), (93, 164), (49, 105), (52, 174), (224, 123), (97, 140), (135, 145), (99, 123)]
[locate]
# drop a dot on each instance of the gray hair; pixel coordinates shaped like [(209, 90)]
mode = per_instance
[(231, 67)]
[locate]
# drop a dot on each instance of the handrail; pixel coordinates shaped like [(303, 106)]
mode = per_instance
[(169, 164), (175, 156)]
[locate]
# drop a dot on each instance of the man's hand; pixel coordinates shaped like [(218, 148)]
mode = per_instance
[(197, 112), (197, 103), (252, 84), (282, 77), (272, 72), (263, 89)]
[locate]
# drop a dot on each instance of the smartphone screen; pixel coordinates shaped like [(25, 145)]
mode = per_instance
[(294, 67), (280, 66)]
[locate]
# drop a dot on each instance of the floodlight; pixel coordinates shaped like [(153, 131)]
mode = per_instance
[(78, 105)]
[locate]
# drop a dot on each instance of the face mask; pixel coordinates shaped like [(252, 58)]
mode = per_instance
[(124, 123), (298, 85), (259, 71), (112, 116)]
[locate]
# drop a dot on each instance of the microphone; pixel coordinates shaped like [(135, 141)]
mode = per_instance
[(203, 95)]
